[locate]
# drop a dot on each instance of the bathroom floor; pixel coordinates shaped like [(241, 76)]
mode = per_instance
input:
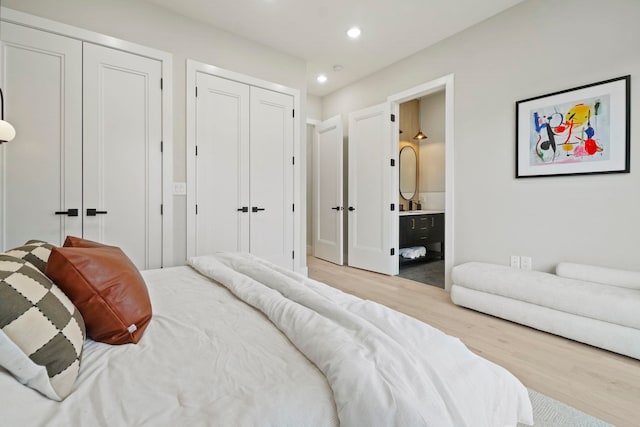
[(431, 273)]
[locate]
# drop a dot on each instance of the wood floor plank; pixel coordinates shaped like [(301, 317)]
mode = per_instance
[(598, 382)]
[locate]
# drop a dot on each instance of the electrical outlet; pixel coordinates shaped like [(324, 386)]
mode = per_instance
[(515, 261), (525, 262)]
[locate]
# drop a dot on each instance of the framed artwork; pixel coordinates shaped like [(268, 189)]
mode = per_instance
[(584, 130)]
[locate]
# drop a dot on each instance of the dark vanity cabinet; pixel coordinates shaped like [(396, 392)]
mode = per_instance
[(422, 230)]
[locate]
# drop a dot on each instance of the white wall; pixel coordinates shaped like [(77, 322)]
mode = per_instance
[(314, 107), (155, 27), (534, 48)]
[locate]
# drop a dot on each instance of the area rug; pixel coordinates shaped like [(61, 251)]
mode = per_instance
[(548, 412)]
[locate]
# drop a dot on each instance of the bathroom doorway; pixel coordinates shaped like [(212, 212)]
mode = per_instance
[(425, 198), (422, 189)]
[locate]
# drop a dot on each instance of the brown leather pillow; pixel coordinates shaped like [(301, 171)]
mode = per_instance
[(107, 289), (77, 242)]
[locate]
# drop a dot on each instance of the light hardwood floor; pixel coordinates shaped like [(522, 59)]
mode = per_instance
[(603, 384)]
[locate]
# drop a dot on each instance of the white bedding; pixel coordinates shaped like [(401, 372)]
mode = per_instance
[(206, 359), (209, 359), (384, 368)]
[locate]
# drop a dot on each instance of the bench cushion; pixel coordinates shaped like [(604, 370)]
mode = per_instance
[(602, 275), (601, 302)]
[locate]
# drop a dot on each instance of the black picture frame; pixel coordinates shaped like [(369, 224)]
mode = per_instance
[(582, 130)]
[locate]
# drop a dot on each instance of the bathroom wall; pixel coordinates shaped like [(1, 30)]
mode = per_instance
[(431, 152), (409, 124)]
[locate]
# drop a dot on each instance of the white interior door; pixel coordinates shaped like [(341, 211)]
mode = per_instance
[(370, 190), (327, 191), (271, 176), (122, 158), (222, 165), (41, 169)]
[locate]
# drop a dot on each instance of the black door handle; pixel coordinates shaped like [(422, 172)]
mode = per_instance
[(94, 212), (68, 212), (338, 208), (351, 208), (243, 209), (256, 209)]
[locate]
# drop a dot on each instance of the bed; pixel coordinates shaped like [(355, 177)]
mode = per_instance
[(237, 341)]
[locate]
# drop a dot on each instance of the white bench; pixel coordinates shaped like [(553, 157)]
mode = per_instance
[(600, 314)]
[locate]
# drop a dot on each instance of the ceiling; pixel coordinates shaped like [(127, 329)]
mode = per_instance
[(316, 30)]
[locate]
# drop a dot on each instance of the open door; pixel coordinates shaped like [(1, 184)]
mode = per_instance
[(327, 191), (372, 201)]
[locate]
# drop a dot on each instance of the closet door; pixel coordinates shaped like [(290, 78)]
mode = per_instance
[(271, 175), (122, 158), (222, 165), (41, 169)]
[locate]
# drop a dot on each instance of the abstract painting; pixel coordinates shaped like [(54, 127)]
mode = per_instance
[(575, 131)]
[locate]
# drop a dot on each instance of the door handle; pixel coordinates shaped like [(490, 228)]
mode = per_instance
[(351, 208), (338, 208), (256, 209), (243, 209), (68, 212), (94, 212)]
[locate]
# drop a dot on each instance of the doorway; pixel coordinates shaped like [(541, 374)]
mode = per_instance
[(440, 87), (421, 165)]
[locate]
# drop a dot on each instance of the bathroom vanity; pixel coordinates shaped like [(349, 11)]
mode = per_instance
[(422, 228)]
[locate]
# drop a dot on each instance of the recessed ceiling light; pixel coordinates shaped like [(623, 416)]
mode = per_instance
[(354, 32), (337, 68), (321, 78)]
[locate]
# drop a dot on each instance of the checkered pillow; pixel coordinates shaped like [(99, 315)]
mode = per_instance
[(41, 331), (35, 251)]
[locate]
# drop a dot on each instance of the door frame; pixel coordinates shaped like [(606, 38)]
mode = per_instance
[(166, 145), (310, 143), (443, 83), (193, 67)]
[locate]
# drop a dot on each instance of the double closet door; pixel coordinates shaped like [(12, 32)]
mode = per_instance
[(244, 170), (87, 159)]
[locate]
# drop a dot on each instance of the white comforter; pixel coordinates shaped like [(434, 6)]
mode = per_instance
[(384, 368), (207, 359)]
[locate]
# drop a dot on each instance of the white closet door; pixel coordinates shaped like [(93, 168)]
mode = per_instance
[(122, 160), (370, 190), (222, 165), (41, 168), (271, 164), (327, 191)]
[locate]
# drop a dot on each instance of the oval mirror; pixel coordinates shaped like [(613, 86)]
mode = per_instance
[(408, 172)]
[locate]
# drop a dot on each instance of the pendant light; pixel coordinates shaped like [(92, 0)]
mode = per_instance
[(420, 135), (7, 131)]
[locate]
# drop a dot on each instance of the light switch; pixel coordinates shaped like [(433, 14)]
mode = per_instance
[(179, 188)]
